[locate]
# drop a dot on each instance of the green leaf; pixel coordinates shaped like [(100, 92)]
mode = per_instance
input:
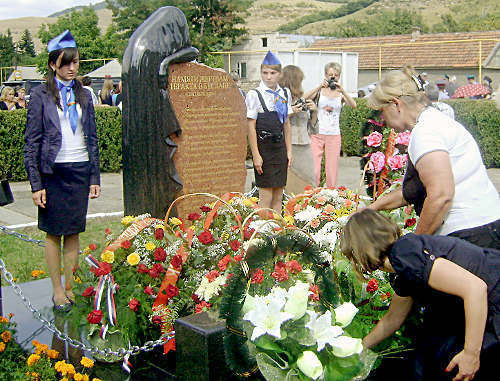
[(272, 368)]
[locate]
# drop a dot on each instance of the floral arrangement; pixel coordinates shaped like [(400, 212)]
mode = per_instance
[(385, 155)]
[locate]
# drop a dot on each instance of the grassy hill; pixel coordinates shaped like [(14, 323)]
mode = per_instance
[(269, 15)]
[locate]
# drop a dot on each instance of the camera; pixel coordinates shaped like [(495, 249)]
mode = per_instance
[(331, 84), (301, 103)]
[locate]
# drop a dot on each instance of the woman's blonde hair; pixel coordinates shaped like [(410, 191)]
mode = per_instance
[(5, 91), (292, 78), (333, 65), (366, 240), (403, 84), (107, 88)]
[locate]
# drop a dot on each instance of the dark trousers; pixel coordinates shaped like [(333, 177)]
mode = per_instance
[(485, 236)]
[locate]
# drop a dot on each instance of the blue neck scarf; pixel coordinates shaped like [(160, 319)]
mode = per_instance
[(280, 105), (69, 104)]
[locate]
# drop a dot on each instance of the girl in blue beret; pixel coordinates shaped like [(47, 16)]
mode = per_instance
[(62, 160)]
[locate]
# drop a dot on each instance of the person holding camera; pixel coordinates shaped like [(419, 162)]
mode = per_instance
[(304, 113), (329, 97)]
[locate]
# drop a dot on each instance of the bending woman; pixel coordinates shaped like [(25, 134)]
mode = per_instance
[(62, 160), (446, 275), (445, 179)]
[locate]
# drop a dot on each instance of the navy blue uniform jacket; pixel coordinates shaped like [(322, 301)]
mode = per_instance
[(43, 137)]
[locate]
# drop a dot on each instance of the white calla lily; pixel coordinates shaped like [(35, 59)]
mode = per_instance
[(298, 295), (309, 364), (322, 329), (266, 317), (344, 346), (345, 313)]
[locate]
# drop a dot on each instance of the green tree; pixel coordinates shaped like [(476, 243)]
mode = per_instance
[(84, 29), (26, 46), (213, 24), (7, 49)]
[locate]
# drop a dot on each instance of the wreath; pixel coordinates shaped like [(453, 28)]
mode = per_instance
[(262, 252)]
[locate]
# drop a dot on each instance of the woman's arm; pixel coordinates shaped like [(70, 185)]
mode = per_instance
[(287, 129), (346, 97), (434, 170), (391, 200), (312, 93), (398, 311), (33, 141), (450, 278), (252, 140)]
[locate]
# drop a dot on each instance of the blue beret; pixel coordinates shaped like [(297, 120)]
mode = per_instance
[(64, 40), (271, 59)]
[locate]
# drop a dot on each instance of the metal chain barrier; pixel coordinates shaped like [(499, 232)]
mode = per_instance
[(21, 236), (120, 352)]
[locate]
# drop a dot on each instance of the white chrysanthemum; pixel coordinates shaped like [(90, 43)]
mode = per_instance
[(308, 214), (266, 226), (208, 289)]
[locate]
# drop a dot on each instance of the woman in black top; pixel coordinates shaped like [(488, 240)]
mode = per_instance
[(446, 275)]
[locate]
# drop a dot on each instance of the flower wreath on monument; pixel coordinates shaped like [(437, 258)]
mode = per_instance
[(146, 277), (284, 315), (384, 155)]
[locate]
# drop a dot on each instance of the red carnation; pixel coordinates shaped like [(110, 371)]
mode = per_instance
[(89, 291), (148, 290), (134, 305), (203, 306), (247, 233), (314, 288), (410, 222), (238, 257), (258, 276), (176, 262), (280, 273), (234, 245), (158, 268), (206, 237), (103, 269), (160, 254), (224, 262), (194, 216), (107, 231), (156, 320), (154, 274), (205, 209), (159, 234), (142, 269), (294, 267), (372, 285), (171, 291), (212, 275), (195, 298), (93, 246), (94, 317), (126, 244)]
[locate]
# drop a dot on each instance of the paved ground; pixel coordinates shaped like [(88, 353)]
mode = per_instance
[(22, 211)]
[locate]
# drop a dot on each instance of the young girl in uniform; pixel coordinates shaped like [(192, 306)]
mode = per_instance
[(447, 276), (62, 160), (268, 107)]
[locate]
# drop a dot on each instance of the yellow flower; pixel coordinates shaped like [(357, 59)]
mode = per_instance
[(3, 319), (14, 280), (41, 348), (86, 362), (59, 366), (160, 227), (2, 347), (127, 220), (276, 216), (248, 202), (254, 199), (64, 379), (68, 369), (6, 336), (175, 221), (52, 354), (150, 246), (96, 379), (33, 359), (35, 376), (108, 256), (81, 377), (133, 259), (289, 220), (77, 279), (37, 273), (225, 236)]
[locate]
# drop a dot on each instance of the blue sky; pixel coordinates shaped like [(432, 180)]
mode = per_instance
[(25, 8)]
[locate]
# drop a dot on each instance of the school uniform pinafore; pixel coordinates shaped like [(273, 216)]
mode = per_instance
[(272, 148)]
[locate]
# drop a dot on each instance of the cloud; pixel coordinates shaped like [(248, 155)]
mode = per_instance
[(28, 8)]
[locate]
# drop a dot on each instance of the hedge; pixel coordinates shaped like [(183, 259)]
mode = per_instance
[(12, 125), (481, 118)]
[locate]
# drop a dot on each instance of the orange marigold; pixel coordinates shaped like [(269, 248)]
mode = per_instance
[(86, 362), (3, 319), (6, 336), (81, 377), (2, 347), (33, 359), (52, 354), (41, 349), (35, 376), (59, 366), (35, 343)]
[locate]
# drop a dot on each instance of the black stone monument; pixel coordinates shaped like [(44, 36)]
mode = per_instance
[(150, 180)]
